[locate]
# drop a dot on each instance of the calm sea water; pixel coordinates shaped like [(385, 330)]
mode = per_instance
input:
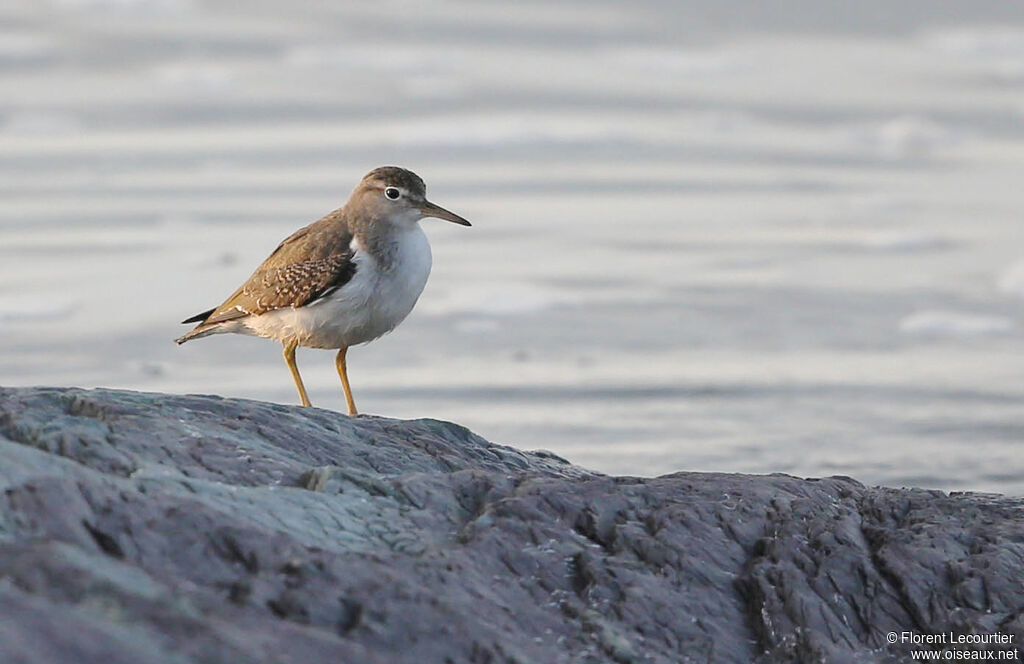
[(707, 236)]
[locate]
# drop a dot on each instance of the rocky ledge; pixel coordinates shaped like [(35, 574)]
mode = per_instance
[(144, 528)]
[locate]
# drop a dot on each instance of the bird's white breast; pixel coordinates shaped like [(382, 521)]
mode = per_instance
[(379, 296)]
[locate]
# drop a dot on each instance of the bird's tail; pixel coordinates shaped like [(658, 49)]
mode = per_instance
[(197, 333), (200, 330)]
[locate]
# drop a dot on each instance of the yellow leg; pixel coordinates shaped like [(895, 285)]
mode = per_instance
[(343, 372), (289, 357)]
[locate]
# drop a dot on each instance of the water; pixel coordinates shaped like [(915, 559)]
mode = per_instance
[(706, 237)]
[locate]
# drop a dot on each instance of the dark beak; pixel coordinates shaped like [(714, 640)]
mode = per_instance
[(428, 209)]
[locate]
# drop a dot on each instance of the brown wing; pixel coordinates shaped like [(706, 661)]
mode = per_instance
[(309, 264), (292, 285)]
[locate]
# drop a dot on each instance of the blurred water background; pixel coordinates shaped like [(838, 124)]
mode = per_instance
[(739, 236)]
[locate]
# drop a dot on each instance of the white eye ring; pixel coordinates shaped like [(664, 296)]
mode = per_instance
[(393, 193)]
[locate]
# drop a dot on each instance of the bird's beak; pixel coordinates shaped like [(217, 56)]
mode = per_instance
[(428, 209)]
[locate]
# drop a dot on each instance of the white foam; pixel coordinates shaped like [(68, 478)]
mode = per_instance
[(873, 204), (998, 52), (477, 326), (428, 86), (395, 59), (979, 42), (1011, 281), (940, 323), (906, 136), (690, 63), (188, 74), (904, 240)]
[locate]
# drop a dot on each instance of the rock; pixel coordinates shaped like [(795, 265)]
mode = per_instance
[(155, 528)]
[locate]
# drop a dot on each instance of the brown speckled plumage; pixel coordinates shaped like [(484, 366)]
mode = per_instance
[(308, 264)]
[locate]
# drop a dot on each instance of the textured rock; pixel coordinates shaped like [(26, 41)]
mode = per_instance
[(154, 528)]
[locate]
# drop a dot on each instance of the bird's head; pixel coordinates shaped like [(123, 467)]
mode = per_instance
[(394, 195)]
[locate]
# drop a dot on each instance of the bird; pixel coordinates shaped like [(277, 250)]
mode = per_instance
[(346, 279)]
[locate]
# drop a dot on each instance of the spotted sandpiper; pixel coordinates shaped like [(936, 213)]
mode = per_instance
[(345, 279)]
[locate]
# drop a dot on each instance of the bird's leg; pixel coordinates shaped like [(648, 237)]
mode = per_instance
[(289, 357), (343, 372)]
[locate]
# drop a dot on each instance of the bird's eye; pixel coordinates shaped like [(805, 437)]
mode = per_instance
[(393, 193)]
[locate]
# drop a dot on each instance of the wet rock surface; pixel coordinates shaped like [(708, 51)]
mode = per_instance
[(157, 528)]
